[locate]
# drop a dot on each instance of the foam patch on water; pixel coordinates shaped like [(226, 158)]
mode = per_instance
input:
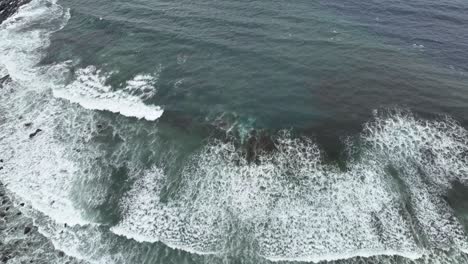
[(36, 167), (91, 92), (22, 46), (288, 206), (173, 224), (38, 137), (429, 156), (51, 170), (22, 40), (293, 207), (31, 163)]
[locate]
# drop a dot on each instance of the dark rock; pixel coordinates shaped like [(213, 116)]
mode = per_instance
[(1, 168), (4, 79), (21, 204), (252, 147), (28, 124), (1, 160), (265, 143), (35, 133), (9, 7), (24, 247), (18, 213), (257, 144), (7, 208), (61, 254)]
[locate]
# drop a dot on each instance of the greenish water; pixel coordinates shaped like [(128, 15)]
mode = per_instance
[(239, 131)]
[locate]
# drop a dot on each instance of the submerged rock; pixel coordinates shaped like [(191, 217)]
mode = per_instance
[(35, 133), (4, 78), (259, 142), (32, 247)]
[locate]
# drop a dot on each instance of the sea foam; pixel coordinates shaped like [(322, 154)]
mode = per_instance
[(291, 206), (91, 92)]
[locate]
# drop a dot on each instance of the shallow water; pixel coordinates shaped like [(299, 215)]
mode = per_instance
[(239, 132)]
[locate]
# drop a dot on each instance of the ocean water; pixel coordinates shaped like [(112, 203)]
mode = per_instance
[(217, 131)]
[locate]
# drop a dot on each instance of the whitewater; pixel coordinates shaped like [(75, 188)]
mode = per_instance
[(387, 204)]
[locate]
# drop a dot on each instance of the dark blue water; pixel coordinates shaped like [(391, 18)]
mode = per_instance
[(221, 131)]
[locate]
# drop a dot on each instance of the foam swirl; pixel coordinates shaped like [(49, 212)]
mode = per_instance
[(292, 206)]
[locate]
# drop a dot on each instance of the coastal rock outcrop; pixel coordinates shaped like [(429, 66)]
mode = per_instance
[(20, 240), (35, 133), (9, 7)]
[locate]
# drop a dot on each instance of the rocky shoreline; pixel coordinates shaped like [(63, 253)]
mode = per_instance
[(20, 240), (9, 7)]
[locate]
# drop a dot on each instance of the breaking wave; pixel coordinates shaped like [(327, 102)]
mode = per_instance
[(91, 92), (287, 205), (22, 47), (291, 206)]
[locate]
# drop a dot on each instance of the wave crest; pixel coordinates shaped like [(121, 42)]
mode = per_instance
[(91, 92), (292, 206)]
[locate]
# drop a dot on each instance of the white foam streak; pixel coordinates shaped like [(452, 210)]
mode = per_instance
[(361, 253), (20, 49), (292, 207), (91, 92), (122, 231), (163, 221), (29, 164)]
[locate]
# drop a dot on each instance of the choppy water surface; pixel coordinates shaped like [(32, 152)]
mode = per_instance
[(150, 131)]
